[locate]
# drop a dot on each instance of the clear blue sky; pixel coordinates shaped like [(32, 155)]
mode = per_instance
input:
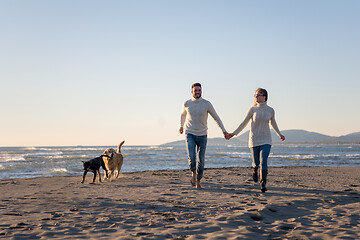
[(97, 72)]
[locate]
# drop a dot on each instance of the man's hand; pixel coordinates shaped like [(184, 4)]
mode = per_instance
[(229, 135), (181, 130), (226, 135), (282, 137)]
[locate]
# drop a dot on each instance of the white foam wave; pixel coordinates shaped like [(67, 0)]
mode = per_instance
[(314, 156), (50, 154), (161, 148), (294, 157), (233, 146), (137, 148), (239, 153), (12, 158), (353, 155), (29, 149), (37, 149), (59, 170), (84, 149), (145, 148)]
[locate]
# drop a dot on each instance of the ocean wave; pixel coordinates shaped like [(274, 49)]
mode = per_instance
[(161, 148), (59, 161), (236, 156), (11, 158), (314, 156), (240, 153), (83, 149), (294, 157), (71, 157), (59, 170), (64, 149), (295, 145), (41, 155), (32, 149), (29, 149)]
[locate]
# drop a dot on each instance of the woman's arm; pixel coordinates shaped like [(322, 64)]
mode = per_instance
[(275, 126), (244, 122)]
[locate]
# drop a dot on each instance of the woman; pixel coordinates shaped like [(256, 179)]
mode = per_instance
[(260, 137)]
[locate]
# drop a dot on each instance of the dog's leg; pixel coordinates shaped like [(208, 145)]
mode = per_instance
[(83, 179), (94, 177), (99, 174), (110, 175), (106, 174)]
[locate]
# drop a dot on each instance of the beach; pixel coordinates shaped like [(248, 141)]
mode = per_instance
[(301, 203)]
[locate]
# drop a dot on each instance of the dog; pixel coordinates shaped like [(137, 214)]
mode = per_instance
[(114, 161), (93, 165)]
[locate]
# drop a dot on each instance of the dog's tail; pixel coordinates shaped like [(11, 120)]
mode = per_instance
[(119, 147)]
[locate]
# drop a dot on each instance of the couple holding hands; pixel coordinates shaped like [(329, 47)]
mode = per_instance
[(194, 115)]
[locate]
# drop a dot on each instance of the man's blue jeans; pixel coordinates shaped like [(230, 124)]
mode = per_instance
[(260, 155), (196, 145)]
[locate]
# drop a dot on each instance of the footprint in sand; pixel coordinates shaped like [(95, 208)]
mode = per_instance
[(256, 216), (286, 227), (271, 209)]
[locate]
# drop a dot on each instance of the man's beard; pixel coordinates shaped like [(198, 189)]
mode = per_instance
[(197, 96)]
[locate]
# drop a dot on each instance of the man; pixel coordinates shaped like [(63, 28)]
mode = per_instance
[(195, 112)]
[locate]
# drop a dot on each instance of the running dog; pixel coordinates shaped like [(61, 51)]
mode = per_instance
[(93, 165), (114, 161)]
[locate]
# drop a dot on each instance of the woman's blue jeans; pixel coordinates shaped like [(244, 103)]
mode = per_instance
[(260, 156), (196, 145)]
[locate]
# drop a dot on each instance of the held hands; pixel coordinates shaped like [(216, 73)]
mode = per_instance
[(231, 135), (228, 135), (282, 137)]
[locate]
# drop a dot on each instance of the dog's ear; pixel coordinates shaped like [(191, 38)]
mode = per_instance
[(83, 161), (112, 155)]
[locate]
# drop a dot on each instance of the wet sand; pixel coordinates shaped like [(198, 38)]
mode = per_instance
[(302, 203)]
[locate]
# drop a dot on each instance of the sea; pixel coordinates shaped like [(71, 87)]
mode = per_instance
[(32, 162)]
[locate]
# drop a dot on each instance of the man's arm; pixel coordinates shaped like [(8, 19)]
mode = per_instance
[(182, 119), (213, 114)]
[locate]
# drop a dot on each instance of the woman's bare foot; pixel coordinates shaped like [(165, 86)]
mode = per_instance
[(198, 186)]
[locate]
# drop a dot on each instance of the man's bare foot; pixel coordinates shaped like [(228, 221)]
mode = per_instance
[(198, 186), (193, 178)]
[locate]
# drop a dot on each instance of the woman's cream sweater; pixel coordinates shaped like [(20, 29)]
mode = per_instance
[(260, 116)]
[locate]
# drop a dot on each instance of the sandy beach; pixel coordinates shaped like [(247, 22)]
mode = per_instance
[(302, 203)]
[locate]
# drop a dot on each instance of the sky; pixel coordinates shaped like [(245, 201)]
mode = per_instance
[(95, 72)]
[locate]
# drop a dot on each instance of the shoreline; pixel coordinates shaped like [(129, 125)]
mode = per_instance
[(159, 170), (302, 203)]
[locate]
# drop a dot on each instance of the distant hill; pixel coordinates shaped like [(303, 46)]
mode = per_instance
[(292, 136), (352, 137)]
